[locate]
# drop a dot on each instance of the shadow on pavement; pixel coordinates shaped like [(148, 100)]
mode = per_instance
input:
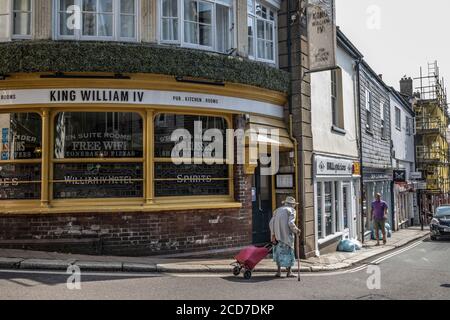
[(52, 279), (254, 279)]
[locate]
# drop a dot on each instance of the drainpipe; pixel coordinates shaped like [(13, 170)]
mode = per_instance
[(291, 132), (361, 181)]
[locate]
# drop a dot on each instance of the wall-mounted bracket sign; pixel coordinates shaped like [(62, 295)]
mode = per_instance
[(399, 175), (141, 97)]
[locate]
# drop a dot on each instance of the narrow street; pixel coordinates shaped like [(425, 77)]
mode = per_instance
[(419, 271)]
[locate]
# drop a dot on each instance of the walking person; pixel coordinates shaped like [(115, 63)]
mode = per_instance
[(283, 231), (379, 216)]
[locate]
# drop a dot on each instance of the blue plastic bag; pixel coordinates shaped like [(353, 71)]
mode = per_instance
[(346, 246)]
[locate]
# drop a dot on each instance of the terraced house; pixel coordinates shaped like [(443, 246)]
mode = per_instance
[(91, 92)]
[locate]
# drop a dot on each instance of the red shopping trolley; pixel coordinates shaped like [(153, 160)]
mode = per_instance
[(248, 258)]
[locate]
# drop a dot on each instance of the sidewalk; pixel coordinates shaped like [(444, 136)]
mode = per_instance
[(24, 259)]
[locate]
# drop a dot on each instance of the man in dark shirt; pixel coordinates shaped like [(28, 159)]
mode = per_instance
[(379, 216)]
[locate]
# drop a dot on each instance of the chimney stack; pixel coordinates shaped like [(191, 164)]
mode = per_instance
[(406, 86)]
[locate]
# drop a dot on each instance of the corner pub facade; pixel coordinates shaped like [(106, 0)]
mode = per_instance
[(90, 93)]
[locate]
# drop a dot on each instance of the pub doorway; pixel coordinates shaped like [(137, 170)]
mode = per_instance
[(262, 206)]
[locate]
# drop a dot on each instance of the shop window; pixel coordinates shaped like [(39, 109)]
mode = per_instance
[(114, 20), (198, 24), (15, 19), (192, 177), (328, 209), (98, 155), (261, 24), (21, 151), (319, 210)]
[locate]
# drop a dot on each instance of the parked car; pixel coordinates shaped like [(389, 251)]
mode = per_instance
[(440, 224)]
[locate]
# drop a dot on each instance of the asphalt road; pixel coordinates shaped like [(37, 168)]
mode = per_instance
[(419, 271)]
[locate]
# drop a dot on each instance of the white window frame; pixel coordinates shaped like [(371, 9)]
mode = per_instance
[(116, 24), (180, 18), (369, 103), (398, 119), (337, 214), (10, 16), (255, 36)]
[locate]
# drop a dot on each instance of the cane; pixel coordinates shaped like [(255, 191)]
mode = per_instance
[(298, 256)]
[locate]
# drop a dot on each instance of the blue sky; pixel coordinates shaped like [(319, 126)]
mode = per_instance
[(398, 36)]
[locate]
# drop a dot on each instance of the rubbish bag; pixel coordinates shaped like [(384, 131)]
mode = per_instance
[(358, 245), (380, 235), (346, 246)]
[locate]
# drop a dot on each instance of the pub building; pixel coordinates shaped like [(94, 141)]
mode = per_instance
[(88, 110)]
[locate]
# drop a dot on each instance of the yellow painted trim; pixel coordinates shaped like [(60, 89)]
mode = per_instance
[(145, 82), (46, 135)]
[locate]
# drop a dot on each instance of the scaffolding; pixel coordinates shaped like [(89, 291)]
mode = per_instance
[(432, 147)]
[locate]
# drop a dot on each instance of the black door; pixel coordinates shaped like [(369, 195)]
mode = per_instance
[(262, 206)]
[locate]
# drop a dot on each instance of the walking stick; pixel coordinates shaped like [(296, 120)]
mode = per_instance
[(298, 256)]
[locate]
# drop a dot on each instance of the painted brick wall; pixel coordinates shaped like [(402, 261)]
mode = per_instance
[(376, 150)]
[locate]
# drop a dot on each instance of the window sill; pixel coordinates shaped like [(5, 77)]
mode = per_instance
[(338, 130), (89, 206), (330, 238), (369, 132)]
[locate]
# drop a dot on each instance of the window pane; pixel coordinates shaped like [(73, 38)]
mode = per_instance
[(205, 35), (63, 28), (106, 6), (127, 26), (190, 10), (22, 24), (269, 47), (187, 171), (170, 29), (251, 33), (222, 28), (98, 180), (205, 13), (197, 187), (190, 32), (64, 4), (165, 126), (261, 49), (250, 5), (22, 5), (269, 31), (127, 6), (328, 211), (170, 8), (319, 209), (98, 135), (105, 25), (90, 5), (89, 24), (20, 181), (21, 136), (260, 28)]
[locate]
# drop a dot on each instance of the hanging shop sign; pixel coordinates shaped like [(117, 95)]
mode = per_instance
[(415, 175), (321, 15), (399, 176), (142, 97), (330, 166)]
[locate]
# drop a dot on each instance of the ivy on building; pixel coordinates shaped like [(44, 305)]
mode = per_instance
[(72, 56)]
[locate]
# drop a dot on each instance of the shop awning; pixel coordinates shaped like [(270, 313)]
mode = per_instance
[(262, 126)]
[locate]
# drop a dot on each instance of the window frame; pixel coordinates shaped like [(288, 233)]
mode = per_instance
[(337, 103), (52, 160), (10, 14), (255, 18), (116, 36), (369, 111), (35, 161), (167, 159), (398, 118), (181, 21)]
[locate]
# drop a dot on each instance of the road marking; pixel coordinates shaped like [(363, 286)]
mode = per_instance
[(395, 253)]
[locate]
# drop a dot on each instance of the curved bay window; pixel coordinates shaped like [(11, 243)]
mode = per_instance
[(196, 175), (21, 152), (98, 155)]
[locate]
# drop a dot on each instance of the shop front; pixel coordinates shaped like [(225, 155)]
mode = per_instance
[(376, 181), (143, 164), (336, 189)]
